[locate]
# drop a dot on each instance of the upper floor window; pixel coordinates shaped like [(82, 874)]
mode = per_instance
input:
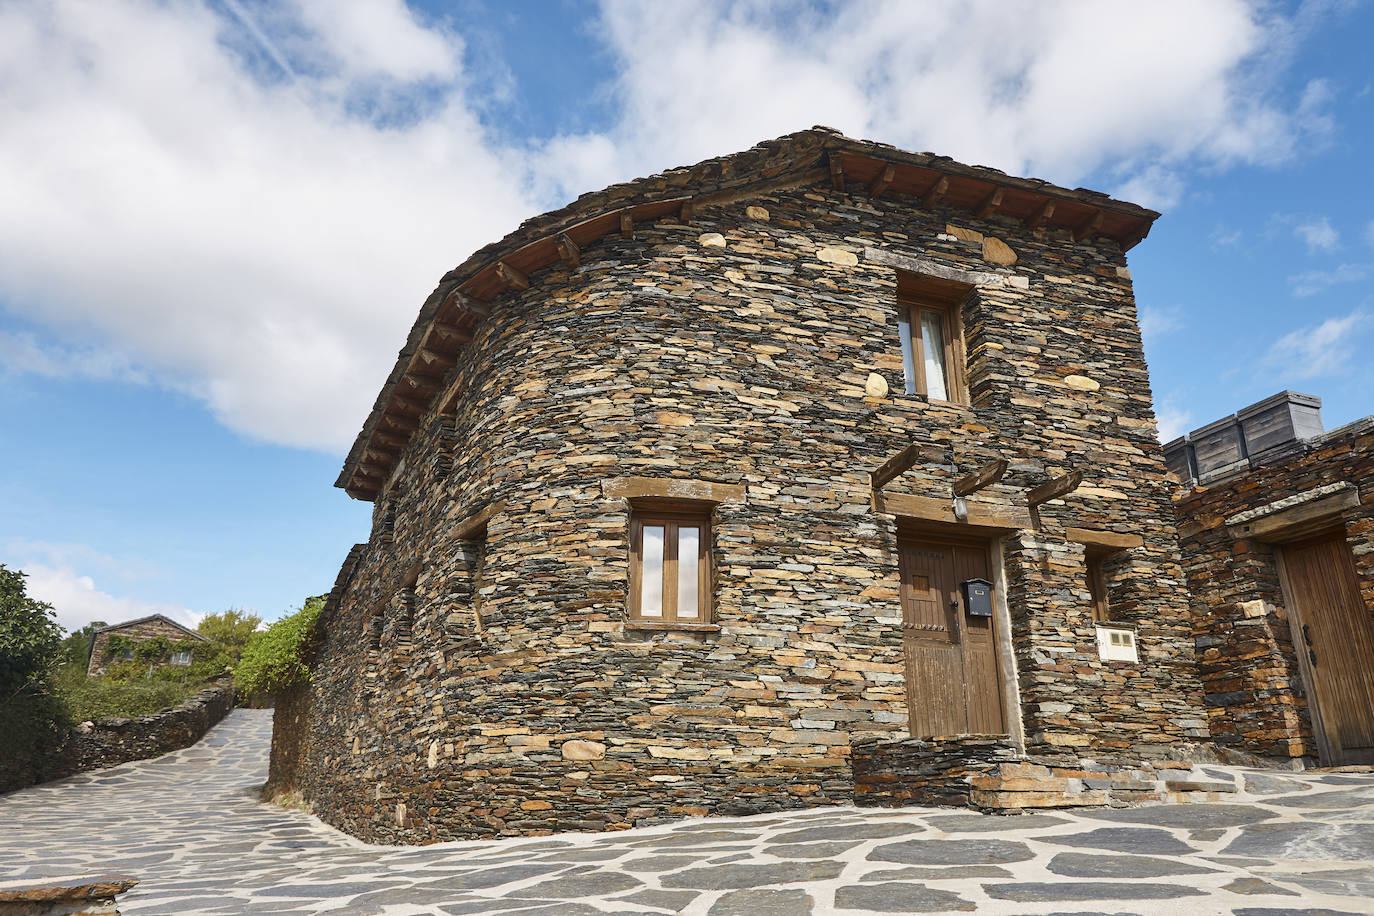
[(670, 566), (932, 350)]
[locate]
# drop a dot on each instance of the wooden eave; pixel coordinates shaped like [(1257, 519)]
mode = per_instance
[(449, 319)]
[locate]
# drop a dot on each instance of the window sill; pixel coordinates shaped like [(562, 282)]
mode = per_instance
[(668, 625)]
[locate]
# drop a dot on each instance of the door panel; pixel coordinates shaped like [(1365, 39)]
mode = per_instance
[(1334, 630), (953, 685)]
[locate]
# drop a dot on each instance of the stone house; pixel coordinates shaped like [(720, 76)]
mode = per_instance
[(686, 491), (1276, 524), (140, 630)]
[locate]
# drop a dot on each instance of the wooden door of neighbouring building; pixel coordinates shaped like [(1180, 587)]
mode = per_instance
[(1334, 637), (953, 686)]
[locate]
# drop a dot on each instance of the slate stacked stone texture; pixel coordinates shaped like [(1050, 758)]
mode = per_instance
[(738, 349), (1255, 696)]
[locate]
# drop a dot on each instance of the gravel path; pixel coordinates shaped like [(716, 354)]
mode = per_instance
[(188, 824)]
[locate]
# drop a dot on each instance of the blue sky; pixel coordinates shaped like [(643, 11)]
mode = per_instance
[(221, 217)]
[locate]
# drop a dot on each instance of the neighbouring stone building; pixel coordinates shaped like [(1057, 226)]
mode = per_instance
[(687, 490), (114, 642), (1276, 523)]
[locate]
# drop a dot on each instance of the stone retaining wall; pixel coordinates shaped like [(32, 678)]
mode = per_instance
[(107, 742), (987, 773)]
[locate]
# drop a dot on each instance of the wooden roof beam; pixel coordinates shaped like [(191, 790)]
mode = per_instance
[(684, 213), (989, 204), (402, 423), (464, 303), (935, 192), (1054, 488), (449, 333), (882, 182), (985, 476), (513, 278), (1089, 227), (836, 172), (627, 225), (568, 250), (1041, 215)]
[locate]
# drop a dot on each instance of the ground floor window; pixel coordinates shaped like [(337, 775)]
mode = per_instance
[(670, 575)]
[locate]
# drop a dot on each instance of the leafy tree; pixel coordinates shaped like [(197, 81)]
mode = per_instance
[(76, 648), (280, 657), (30, 639), (233, 629)]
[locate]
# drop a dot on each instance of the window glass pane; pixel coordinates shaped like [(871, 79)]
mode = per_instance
[(688, 546), (651, 573), (933, 345), (908, 355)]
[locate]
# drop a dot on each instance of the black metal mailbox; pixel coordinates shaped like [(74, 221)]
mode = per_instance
[(977, 597)]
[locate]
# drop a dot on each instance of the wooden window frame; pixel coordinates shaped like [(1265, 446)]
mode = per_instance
[(1096, 563), (956, 387), (671, 518)]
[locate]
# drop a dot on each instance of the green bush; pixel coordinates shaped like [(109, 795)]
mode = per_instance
[(30, 639), (125, 691), (280, 657)]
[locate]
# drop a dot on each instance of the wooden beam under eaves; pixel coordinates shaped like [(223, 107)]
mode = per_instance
[(985, 476), (401, 422), (627, 225), (449, 333), (1041, 215), (435, 358), (895, 466), (935, 192), (421, 385), (836, 173), (684, 213), (464, 303), (1054, 488), (568, 251), (513, 278), (406, 403), (882, 182), (1089, 227), (989, 205)]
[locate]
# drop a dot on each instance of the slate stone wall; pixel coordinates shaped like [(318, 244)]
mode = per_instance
[(111, 741), (739, 350), (1255, 695)]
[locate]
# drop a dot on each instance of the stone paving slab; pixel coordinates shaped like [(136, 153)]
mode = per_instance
[(190, 827)]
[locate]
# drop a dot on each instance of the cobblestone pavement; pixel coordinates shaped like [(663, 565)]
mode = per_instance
[(189, 826)]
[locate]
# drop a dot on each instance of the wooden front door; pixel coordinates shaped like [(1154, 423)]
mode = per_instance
[(1334, 637), (952, 681)]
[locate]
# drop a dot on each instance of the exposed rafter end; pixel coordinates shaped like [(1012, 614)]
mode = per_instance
[(457, 299), (568, 250), (513, 278), (1090, 227), (989, 204), (1044, 213), (895, 466), (627, 225), (836, 172), (935, 192), (882, 182), (685, 212)]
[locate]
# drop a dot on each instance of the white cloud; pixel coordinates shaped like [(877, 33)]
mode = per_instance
[(1225, 237), (1030, 88), (259, 241), (248, 202), (1172, 421), (24, 353), (1324, 349), (1318, 234), (1312, 282), (61, 574), (1157, 321)]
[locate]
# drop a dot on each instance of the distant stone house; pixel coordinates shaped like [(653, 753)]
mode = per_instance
[(695, 492), (140, 630), (1276, 523)]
